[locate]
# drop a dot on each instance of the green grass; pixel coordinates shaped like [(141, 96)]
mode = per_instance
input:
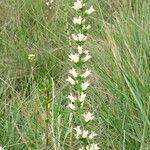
[(119, 43)]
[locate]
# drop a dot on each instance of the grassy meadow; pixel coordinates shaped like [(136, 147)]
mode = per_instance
[(119, 42)]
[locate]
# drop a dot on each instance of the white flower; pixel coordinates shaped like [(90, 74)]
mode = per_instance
[(71, 97), (78, 20), (74, 57), (86, 58), (90, 10), (82, 148), (71, 106), (85, 85), (80, 49), (92, 135), (49, 3), (85, 133), (86, 27), (82, 37), (78, 132), (92, 147), (70, 80), (79, 37), (73, 72), (31, 57), (1, 148), (86, 52), (86, 73), (75, 37), (88, 116), (78, 5), (82, 97)]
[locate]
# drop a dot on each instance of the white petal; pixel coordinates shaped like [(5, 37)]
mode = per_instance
[(85, 85), (78, 132), (70, 80), (86, 58), (80, 49), (82, 97), (92, 135), (78, 20), (78, 5), (86, 73), (31, 57), (71, 106), (88, 116), (88, 27), (82, 37), (93, 147), (73, 72), (75, 37), (85, 133), (74, 57), (90, 10), (79, 37), (81, 148), (1, 148), (71, 97)]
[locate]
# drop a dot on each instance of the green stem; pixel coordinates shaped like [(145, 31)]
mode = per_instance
[(47, 99)]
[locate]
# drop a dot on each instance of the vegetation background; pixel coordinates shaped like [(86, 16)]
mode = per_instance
[(119, 43)]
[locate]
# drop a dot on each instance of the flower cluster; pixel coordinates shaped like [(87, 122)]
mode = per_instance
[(49, 4), (78, 76)]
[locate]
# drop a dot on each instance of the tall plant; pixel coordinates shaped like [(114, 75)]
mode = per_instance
[(78, 79)]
